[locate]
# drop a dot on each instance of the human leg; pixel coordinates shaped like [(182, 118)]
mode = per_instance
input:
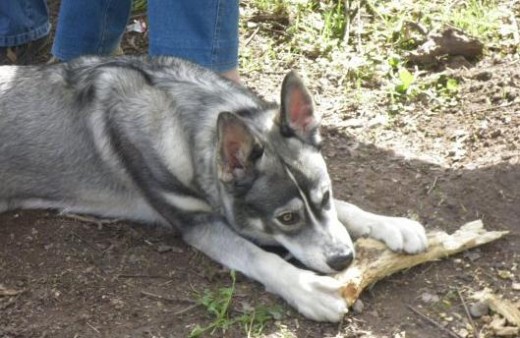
[(203, 31), (24, 26), (90, 27)]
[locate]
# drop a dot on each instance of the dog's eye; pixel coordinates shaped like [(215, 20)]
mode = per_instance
[(325, 202), (289, 218)]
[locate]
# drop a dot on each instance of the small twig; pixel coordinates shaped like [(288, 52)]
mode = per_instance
[(173, 300), (142, 276), (189, 308), (93, 328), (250, 38), (99, 222), (496, 107), (359, 26), (433, 322), (433, 185), (473, 325)]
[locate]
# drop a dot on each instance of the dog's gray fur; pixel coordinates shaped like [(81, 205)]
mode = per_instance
[(162, 140)]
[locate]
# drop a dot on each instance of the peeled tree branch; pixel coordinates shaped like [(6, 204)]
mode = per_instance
[(375, 261)]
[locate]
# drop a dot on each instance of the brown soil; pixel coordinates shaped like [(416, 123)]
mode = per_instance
[(81, 278)]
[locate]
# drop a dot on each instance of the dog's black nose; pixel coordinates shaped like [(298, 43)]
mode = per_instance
[(340, 262)]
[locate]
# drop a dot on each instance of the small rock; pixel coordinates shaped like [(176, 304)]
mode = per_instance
[(463, 333), (478, 309), (496, 133), (164, 248), (472, 255), (358, 306), (484, 76), (354, 123), (429, 298), (505, 274)]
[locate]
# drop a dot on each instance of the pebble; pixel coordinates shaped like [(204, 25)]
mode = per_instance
[(463, 333), (429, 298), (166, 248), (472, 255), (478, 309), (484, 76), (505, 274), (358, 307)]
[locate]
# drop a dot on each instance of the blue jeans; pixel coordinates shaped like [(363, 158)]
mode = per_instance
[(202, 31), (23, 21)]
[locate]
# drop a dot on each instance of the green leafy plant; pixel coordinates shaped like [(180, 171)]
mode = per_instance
[(447, 86), (404, 82), (218, 303)]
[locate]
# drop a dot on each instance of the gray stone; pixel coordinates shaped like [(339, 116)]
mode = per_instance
[(478, 309)]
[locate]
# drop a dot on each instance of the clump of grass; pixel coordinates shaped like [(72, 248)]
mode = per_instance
[(479, 18), (218, 304), (139, 6)]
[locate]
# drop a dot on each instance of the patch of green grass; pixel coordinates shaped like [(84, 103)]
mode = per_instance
[(218, 304), (357, 38), (335, 20), (271, 6), (139, 6), (479, 18)]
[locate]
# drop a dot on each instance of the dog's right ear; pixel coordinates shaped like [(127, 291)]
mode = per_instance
[(298, 117), (237, 150)]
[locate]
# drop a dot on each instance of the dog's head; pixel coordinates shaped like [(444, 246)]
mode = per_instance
[(275, 184)]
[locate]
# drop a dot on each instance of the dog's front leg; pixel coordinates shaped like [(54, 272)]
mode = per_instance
[(399, 233), (316, 297)]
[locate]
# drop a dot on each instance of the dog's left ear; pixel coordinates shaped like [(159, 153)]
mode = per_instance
[(238, 150), (297, 115)]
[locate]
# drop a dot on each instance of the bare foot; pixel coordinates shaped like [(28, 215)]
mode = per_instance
[(232, 75)]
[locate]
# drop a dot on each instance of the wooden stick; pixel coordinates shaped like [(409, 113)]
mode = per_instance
[(433, 322), (476, 333), (375, 261), (5, 292)]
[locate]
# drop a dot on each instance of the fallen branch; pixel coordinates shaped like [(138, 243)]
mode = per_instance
[(375, 261)]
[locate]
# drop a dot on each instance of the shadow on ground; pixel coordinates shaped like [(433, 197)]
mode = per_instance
[(85, 279)]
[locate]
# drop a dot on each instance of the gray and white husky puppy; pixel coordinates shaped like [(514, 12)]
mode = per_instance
[(162, 140)]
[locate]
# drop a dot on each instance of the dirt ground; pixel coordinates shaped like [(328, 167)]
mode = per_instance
[(81, 278)]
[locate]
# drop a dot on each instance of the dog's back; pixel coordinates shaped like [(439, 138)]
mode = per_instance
[(56, 149)]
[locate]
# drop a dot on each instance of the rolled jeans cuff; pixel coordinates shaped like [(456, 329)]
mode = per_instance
[(25, 37)]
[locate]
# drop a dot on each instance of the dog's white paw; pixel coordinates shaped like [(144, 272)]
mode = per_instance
[(400, 234), (316, 297)]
